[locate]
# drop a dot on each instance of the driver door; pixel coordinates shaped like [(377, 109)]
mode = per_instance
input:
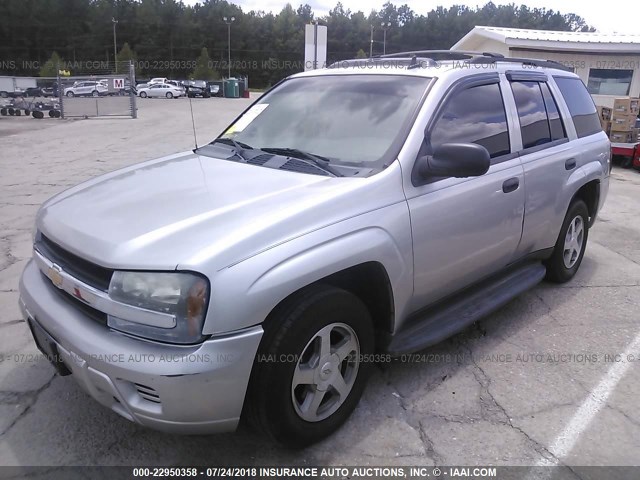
[(465, 229)]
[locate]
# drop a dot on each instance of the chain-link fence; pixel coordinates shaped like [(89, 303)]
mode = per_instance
[(102, 93)]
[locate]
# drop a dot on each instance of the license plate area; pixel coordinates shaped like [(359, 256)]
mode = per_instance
[(48, 347)]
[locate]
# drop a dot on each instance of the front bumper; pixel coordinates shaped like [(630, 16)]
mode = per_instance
[(195, 389)]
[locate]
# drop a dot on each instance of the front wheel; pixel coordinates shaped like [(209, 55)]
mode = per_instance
[(311, 367), (571, 244)]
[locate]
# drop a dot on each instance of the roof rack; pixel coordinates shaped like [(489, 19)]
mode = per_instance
[(525, 61), (478, 58), (430, 58), (409, 62), (447, 54)]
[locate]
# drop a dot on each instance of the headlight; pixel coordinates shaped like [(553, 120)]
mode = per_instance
[(183, 295)]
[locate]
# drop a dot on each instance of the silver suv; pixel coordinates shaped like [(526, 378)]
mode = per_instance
[(378, 206)]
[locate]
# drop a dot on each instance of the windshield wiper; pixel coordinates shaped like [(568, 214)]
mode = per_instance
[(238, 146), (322, 163)]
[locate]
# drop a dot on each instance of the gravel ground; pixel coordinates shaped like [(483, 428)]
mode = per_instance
[(490, 395)]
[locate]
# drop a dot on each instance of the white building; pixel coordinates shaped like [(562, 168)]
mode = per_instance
[(609, 64)]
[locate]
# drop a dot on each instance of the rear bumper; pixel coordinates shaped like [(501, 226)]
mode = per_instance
[(181, 389)]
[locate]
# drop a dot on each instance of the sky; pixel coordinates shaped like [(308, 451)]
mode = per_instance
[(618, 16)]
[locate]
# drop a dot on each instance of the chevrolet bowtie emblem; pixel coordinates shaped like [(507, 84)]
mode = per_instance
[(55, 275)]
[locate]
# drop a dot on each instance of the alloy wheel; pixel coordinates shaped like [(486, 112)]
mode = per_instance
[(325, 372), (573, 242)]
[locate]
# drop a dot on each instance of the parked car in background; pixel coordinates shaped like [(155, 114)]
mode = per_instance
[(33, 92), (156, 80), (197, 88), (160, 90), (86, 88)]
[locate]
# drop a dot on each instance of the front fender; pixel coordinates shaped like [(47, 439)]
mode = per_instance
[(245, 293)]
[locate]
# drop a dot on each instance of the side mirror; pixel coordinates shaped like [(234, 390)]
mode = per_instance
[(455, 160)]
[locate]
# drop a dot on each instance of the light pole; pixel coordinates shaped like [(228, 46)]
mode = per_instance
[(229, 21), (385, 26), (115, 50), (371, 44)]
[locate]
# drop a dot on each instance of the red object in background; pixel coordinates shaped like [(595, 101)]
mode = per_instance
[(631, 150)]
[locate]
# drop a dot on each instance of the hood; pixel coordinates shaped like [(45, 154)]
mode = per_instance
[(188, 208)]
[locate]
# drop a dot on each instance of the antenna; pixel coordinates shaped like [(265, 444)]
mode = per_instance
[(193, 123)]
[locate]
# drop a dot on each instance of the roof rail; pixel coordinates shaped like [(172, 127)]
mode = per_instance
[(525, 61), (430, 58), (447, 54), (409, 62)]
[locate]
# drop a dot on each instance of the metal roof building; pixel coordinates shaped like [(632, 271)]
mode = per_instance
[(609, 64)]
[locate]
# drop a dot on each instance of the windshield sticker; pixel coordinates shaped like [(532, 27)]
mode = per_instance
[(244, 121)]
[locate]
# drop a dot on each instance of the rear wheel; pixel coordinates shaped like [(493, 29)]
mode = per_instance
[(309, 373), (571, 244), (70, 94), (143, 94), (94, 93), (169, 95)]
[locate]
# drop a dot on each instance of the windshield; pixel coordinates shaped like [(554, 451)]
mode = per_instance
[(349, 120)]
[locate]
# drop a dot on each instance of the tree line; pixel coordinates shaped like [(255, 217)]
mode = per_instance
[(169, 38)]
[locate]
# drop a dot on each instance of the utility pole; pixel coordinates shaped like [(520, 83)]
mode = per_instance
[(115, 49), (371, 44), (229, 21), (385, 26)]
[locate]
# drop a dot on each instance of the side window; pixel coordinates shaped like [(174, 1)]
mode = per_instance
[(474, 115), (555, 121), (534, 123), (581, 106)]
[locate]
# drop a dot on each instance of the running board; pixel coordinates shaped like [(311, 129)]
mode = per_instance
[(435, 324)]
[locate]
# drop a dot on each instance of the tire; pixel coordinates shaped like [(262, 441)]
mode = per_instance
[(37, 114), (58, 113), (143, 94), (3, 112), (11, 111), (27, 112), (570, 247), (169, 95), (52, 113), (95, 94), (273, 403), (70, 94)]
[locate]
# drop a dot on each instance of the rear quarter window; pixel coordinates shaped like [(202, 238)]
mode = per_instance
[(581, 106)]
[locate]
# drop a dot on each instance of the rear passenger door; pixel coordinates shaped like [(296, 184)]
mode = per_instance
[(547, 156), (465, 229)]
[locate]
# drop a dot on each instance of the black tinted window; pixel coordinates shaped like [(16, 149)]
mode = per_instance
[(555, 121), (474, 115), (581, 106), (534, 124)]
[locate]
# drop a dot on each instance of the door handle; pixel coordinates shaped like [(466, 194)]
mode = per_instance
[(510, 185), (570, 164)]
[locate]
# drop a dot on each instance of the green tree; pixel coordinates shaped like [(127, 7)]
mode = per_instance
[(204, 70), (51, 66), (126, 54), (361, 54)]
